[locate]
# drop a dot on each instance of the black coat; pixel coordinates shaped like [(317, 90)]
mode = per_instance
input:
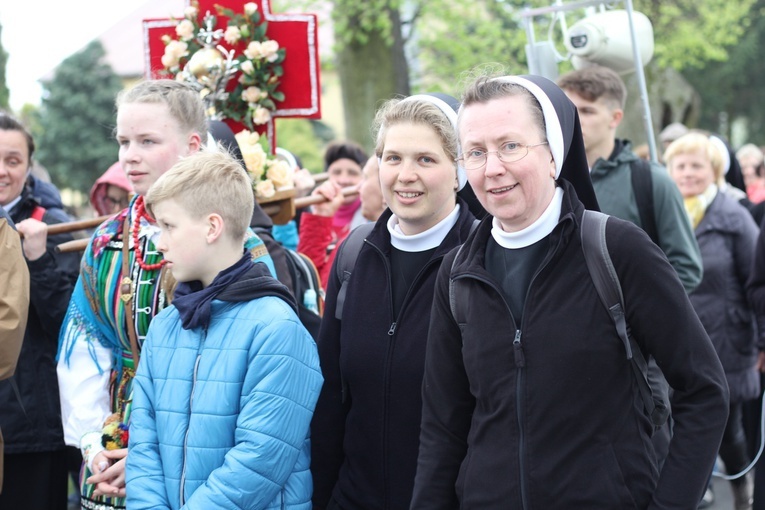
[(547, 415), (727, 236), (30, 412), (365, 430)]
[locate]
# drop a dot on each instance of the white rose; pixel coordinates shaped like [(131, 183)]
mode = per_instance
[(250, 8), (251, 94), (280, 174), (253, 51), (185, 30), (265, 189), (232, 35), (268, 50), (247, 67), (261, 115), (190, 12)]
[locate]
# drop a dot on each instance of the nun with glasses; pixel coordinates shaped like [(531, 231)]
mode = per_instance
[(529, 400)]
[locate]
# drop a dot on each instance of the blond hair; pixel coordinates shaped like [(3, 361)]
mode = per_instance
[(398, 111), (183, 102), (208, 183), (696, 142)]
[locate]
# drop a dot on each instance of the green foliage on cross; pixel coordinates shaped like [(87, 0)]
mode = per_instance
[(76, 142)]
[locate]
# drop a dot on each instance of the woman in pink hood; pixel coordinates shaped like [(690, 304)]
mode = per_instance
[(111, 192)]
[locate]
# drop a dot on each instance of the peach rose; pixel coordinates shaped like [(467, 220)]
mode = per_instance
[(253, 51), (251, 94), (268, 50), (232, 35), (265, 189), (185, 30), (250, 8), (280, 174), (247, 67), (190, 12), (261, 115)]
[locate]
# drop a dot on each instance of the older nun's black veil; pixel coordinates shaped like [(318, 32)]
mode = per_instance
[(564, 135)]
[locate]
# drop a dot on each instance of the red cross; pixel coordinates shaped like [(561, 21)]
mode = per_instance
[(296, 32)]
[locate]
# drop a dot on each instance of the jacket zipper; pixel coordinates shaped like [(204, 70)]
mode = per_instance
[(520, 364), (389, 353), (191, 404)]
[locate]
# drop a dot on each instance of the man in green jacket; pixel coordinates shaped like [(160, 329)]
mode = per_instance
[(599, 95), (14, 304)]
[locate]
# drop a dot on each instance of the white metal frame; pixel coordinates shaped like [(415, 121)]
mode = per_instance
[(528, 16)]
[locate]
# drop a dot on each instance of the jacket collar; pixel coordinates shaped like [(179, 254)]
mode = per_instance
[(621, 155), (380, 237)]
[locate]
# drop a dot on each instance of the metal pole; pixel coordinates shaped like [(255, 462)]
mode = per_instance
[(642, 85)]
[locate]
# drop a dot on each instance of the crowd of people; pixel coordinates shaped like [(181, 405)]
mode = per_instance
[(464, 357)]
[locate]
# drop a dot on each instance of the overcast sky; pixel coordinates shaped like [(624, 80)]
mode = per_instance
[(39, 34)]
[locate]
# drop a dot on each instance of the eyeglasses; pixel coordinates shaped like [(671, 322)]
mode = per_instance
[(507, 153)]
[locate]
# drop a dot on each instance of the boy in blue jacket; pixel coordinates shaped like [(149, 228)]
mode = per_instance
[(229, 378)]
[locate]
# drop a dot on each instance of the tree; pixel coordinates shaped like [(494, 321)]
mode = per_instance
[(370, 60), (4, 92), (735, 85), (76, 119)]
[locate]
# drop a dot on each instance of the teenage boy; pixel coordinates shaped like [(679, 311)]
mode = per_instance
[(599, 95), (226, 389)]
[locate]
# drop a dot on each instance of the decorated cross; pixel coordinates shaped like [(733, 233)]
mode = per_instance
[(296, 33)]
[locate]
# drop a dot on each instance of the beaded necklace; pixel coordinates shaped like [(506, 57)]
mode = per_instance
[(140, 212)]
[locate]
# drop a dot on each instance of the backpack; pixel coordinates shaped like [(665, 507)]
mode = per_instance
[(642, 187), (345, 261), (348, 252), (306, 287), (653, 388)]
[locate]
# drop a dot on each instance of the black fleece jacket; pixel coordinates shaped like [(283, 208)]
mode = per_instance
[(365, 430), (30, 412), (546, 414)]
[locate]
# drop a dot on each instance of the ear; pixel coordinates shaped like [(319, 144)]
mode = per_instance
[(616, 118), (194, 142), (215, 227)]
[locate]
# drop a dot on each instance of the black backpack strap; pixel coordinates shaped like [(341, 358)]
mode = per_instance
[(345, 261), (642, 187), (603, 274)]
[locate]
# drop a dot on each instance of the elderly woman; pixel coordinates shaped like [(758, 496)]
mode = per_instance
[(727, 235), (30, 415), (529, 400)]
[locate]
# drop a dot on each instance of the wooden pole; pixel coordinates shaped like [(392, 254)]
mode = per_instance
[(81, 244)]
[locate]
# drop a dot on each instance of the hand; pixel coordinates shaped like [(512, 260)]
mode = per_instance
[(334, 195), (35, 238), (303, 181), (108, 470), (761, 361)]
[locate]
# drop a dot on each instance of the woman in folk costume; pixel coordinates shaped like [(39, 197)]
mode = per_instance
[(122, 286)]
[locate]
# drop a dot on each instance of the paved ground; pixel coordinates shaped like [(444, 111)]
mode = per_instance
[(723, 496)]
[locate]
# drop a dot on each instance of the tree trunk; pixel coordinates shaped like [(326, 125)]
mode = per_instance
[(369, 74)]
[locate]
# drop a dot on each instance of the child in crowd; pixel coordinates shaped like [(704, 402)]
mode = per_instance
[(225, 394)]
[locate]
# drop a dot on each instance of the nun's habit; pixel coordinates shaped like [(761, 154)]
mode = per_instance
[(564, 134)]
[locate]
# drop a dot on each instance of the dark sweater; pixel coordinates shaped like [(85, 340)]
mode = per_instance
[(365, 430)]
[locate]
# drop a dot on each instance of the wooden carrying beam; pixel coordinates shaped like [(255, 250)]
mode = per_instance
[(281, 208)]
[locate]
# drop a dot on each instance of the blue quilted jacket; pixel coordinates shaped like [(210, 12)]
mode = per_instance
[(221, 414)]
